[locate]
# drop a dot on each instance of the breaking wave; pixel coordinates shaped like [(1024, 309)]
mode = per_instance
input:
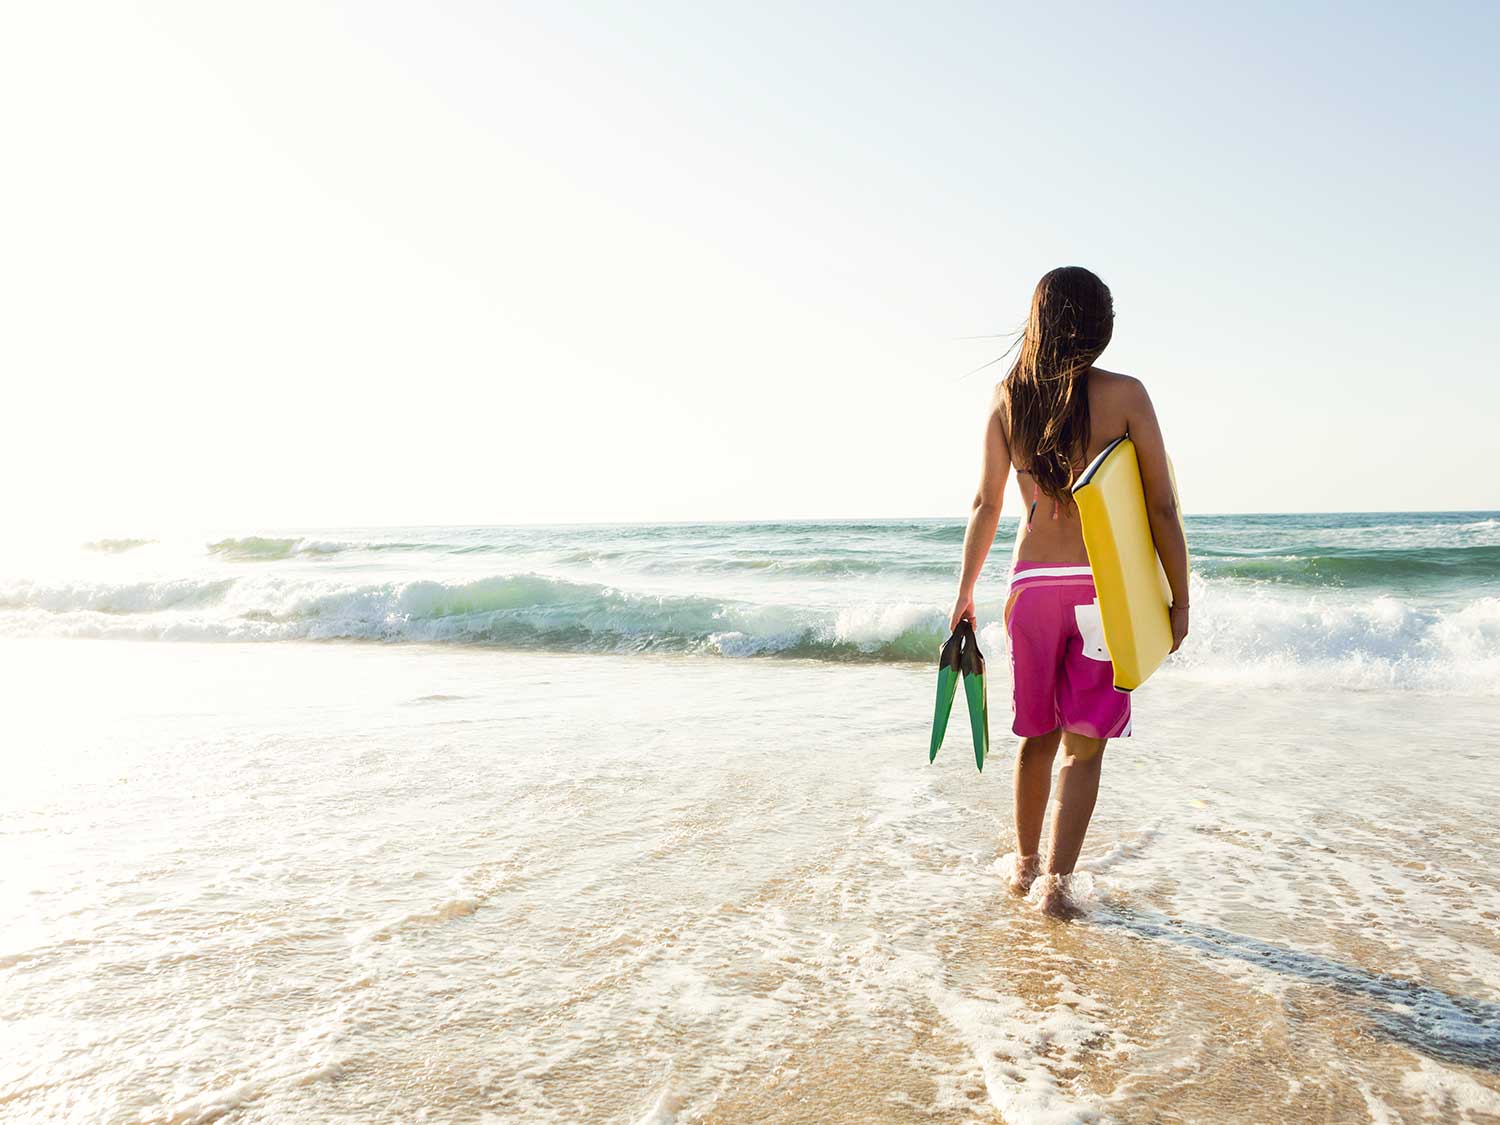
[(513, 611), (116, 546), (1239, 632), (254, 547)]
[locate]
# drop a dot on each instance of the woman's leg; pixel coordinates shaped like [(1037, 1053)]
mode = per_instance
[(1033, 782), (1077, 788)]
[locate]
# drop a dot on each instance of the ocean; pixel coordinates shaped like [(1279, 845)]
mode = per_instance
[(634, 823)]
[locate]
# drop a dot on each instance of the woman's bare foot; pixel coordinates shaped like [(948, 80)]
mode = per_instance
[(1027, 868), (1056, 902)]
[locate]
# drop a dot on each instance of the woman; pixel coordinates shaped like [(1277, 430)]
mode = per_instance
[(1051, 415)]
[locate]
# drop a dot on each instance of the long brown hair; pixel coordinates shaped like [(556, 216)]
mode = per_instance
[(1046, 392)]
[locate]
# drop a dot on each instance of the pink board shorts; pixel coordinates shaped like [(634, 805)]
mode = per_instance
[(1060, 667)]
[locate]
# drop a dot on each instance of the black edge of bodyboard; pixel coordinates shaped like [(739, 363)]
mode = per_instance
[(1088, 474)]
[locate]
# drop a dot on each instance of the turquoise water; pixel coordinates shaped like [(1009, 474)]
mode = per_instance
[(1402, 600)]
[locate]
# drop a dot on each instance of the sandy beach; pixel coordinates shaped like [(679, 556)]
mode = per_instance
[(355, 882)]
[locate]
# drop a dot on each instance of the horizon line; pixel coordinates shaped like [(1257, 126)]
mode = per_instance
[(867, 519)]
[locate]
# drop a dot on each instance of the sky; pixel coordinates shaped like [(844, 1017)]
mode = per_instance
[(288, 264)]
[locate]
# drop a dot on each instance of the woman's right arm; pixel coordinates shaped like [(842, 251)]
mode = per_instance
[(1161, 502), (985, 516)]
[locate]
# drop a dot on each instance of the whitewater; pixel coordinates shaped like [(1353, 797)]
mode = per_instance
[(1376, 601), (635, 824)]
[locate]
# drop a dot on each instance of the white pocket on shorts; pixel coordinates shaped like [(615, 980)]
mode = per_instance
[(1091, 629)]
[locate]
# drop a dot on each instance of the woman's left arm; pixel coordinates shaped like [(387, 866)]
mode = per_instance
[(985, 516), (1161, 503)]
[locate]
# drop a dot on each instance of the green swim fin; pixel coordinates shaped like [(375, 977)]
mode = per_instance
[(971, 663), (948, 675)]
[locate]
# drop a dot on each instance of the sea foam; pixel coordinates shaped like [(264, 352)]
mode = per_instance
[(1253, 636)]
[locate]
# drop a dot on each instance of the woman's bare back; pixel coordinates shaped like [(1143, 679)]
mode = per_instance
[(1053, 533)]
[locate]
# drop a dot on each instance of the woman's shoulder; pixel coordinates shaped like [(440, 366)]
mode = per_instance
[(1000, 397), (1115, 387), (1112, 380)]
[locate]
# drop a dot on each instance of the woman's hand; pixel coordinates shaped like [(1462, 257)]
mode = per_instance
[(962, 608), (1179, 625)]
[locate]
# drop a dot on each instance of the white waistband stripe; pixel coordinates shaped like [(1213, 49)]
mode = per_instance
[(1050, 572)]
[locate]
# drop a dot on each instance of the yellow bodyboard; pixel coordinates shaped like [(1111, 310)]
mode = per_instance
[(1134, 598)]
